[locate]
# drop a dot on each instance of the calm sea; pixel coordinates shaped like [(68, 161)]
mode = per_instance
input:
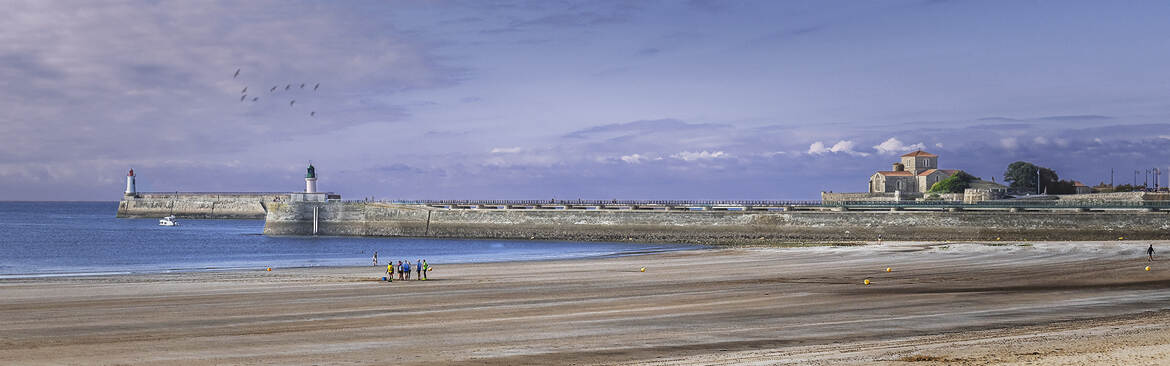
[(77, 238)]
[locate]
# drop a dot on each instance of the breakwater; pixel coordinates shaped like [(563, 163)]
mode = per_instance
[(706, 226), (244, 205)]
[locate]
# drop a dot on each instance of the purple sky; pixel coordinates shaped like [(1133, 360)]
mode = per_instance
[(553, 99)]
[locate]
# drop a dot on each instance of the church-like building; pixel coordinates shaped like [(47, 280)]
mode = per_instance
[(917, 172)]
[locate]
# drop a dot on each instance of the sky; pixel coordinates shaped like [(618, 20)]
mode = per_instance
[(571, 99)]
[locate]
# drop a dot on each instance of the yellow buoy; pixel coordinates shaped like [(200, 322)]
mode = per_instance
[(269, 269), (867, 282), (430, 269), (889, 269), (997, 238), (1147, 268), (643, 269), (1121, 238)]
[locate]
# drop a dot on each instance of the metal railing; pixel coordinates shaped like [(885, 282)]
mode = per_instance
[(1022, 204)]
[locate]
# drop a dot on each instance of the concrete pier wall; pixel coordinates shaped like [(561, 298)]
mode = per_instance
[(199, 205), (706, 227)]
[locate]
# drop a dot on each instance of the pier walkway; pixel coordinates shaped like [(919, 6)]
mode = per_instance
[(782, 205)]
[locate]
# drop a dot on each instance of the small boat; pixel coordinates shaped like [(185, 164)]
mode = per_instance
[(168, 221)]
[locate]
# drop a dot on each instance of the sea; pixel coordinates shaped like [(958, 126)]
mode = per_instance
[(47, 239)]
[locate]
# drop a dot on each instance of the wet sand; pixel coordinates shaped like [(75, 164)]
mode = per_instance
[(971, 303)]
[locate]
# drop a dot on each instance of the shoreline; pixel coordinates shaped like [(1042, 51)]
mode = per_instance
[(977, 302), (131, 272), (686, 247)]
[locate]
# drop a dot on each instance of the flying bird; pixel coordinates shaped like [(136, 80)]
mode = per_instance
[(272, 90), (237, 74), (244, 91), (242, 97), (255, 99), (315, 86), (313, 113), (302, 85), (291, 102), (287, 86)]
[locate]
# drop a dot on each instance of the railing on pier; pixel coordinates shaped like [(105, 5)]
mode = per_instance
[(737, 203), (793, 204)]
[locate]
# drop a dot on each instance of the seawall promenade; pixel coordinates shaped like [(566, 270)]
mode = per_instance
[(707, 226)]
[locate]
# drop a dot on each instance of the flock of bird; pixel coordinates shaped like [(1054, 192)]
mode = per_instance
[(291, 102)]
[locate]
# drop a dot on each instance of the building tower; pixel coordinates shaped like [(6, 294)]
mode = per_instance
[(130, 191), (311, 180)]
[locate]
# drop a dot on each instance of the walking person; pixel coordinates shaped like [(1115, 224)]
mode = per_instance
[(406, 269), (420, 270), (425, 268), (375, 257), (1150, 253), (400, 270)]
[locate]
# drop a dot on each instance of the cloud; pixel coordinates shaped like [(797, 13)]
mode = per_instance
[(843, 146), (700, 155), (893, 146), (506, 150), (1009, 143), (1040, 140), (641, 127), (638, 158)]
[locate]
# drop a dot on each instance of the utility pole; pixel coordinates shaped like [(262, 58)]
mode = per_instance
[(1135, 173), (1110, 177)]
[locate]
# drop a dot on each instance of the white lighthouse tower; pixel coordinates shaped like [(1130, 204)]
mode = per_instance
[(130, 191), (311, 180)]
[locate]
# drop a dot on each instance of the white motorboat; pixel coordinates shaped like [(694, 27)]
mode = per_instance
[(168, 221)]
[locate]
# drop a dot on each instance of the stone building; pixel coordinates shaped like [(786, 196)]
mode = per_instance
[(916, 172)]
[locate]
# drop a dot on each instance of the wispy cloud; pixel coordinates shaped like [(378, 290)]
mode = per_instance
[(894, 146), (843, 146)]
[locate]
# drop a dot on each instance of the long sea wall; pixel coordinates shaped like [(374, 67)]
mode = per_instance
[(705, 227), (199, 205)]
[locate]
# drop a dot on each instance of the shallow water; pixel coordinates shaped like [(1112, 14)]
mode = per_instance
[(71, 238)]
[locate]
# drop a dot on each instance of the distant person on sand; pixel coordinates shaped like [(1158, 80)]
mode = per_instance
[(420, 270), (425, 267), (375, 257), (390, 271), (406, 269), (400, 270), (1150, 252)]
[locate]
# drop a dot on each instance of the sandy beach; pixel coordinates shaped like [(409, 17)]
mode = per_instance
[(1050, 303)]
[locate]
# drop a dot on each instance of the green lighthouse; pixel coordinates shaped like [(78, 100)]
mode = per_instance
[(311, 179)]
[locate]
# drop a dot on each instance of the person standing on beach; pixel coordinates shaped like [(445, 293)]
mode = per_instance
[(400, 270), (420, 270), (406, 269), (1150, 253), (375, 257), (425, 267), (390, 271)]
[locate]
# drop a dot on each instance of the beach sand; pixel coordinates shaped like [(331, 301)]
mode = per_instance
[(972, 303)]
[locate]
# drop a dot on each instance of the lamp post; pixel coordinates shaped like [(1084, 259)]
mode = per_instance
[(1037, 180)]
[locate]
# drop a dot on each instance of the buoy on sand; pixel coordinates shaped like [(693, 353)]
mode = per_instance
[(643, 269), (888, 269), (269, 269), (867, 282), (1147, 268)]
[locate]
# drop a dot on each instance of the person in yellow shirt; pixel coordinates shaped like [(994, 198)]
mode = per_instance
[(390, 272)]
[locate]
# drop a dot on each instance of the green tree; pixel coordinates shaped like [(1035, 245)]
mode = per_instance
[(955, 183), (1022, 176)]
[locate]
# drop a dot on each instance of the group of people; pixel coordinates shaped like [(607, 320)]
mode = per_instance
[(403, 269)]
